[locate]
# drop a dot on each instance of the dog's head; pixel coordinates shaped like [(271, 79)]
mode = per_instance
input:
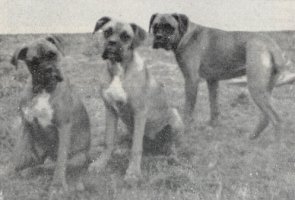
[(120, 39), (42, 58), (168, 29)]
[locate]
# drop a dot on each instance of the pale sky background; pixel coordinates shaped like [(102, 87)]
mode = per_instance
[(64, 16)]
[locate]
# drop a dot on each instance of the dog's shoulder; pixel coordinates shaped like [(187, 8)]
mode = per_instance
[(195, 36), (63, 95)]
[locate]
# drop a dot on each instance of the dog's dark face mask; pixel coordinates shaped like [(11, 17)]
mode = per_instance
[(167, 30), (42, 59)]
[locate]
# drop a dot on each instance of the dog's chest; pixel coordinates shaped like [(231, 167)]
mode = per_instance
[(115, 93), (39, 109)]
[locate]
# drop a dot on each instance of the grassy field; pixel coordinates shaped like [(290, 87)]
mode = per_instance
[(218, 163)]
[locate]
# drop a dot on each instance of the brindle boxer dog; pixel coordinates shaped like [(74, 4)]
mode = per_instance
[(55, 122), (132, 94), (214, 55)]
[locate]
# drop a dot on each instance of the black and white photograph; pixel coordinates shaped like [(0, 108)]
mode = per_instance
[(147, 100)]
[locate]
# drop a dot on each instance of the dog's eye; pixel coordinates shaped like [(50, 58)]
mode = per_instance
[(50, 55), (155, 28), (107, 33), (124, 37), (34, 62), (48, 70), (168, 28)]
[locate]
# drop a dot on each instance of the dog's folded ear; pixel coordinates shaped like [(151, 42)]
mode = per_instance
[(57, 41), (19, 54), (182, 22), (152, 21), (139, 35), (100, 23)]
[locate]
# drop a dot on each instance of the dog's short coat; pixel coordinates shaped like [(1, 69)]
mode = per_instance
[(214, 55), (54, 120), (132, 94)]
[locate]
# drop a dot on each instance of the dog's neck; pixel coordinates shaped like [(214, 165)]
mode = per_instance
[(119, 69), (191, 31)]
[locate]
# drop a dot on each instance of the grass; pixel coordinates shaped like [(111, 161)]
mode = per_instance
[(217, 163)]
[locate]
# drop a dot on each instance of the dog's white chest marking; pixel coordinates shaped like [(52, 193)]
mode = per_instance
[(39, 109), (115, 93), (266, 59)]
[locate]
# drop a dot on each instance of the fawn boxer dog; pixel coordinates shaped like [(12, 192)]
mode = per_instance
[(214, 55), (54, 120), (132, 94)]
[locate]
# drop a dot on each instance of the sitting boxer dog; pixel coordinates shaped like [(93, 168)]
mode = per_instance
[(54, 120), (132, 94)]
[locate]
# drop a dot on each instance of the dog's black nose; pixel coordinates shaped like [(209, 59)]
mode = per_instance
[(158, 37), (112, 43)]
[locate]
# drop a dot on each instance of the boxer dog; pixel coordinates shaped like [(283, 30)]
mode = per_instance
[(214, 55), (55, 123), (130, 93)]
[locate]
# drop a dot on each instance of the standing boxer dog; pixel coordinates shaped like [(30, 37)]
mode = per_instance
[(215, 55), (55, 122), (131, 93)]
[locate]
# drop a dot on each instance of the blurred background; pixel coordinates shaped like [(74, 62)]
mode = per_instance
[(77, 16)]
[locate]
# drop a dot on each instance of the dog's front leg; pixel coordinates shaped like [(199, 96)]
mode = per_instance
[(59, 177), (213, 100), (111, 129), (133, 173), (191, 91)]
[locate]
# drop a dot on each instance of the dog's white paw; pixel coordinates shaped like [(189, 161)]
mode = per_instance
[(95, 167), (57, 192), (99, 164), (133, 178)]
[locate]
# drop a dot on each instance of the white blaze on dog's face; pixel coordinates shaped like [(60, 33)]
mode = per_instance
[(39, 109), (118, 41)]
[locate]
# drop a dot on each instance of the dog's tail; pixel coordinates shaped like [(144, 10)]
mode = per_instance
[(282, 63)]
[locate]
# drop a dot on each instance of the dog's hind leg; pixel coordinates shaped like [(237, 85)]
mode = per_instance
[(262, 100), (260, 88), (262, 76), (26, 154), (262, 124)]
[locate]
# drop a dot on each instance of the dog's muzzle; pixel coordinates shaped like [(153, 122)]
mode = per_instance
[(114, 55), (112, 52), (54, 76), (161, 42)]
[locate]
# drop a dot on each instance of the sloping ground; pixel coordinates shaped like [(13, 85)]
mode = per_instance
[(218, 163)]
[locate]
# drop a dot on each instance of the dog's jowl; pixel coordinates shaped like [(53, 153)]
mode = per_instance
[(55, 123), (132, 94)]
